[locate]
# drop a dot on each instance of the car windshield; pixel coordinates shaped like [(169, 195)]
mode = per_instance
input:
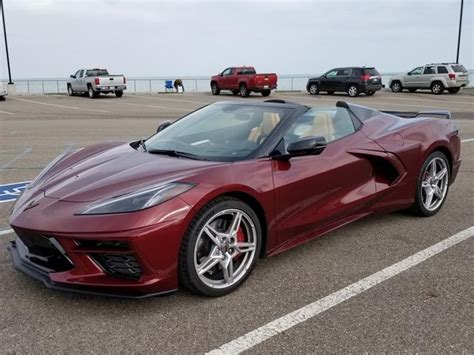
[(218, 132)]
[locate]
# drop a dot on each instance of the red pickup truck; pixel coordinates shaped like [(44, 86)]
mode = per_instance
[(243, 80)]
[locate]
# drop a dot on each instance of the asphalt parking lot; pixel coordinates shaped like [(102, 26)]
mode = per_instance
[(427, 308)]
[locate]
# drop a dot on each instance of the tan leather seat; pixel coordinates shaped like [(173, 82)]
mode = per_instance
[(269, 122), (322, 126)]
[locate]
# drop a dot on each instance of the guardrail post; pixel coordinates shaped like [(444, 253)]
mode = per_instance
[(149, 84), (28, 85), (135, 86), (42, 85), (195, 85), (291, 83), (57, 86)]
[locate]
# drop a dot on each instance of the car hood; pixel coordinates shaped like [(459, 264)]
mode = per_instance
[(107, 171)]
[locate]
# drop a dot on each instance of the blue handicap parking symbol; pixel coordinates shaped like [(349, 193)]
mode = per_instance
[(10, 192)]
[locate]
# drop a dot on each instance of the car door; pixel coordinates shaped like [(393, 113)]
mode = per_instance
[(314, 191), (429, 73), (413, 78), (328, 81), (225, 79), (341, 79), (75, 81)]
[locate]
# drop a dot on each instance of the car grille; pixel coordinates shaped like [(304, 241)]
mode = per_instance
[(44, 252), (119, 265)]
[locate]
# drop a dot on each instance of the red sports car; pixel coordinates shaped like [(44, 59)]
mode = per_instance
[(201, 200)]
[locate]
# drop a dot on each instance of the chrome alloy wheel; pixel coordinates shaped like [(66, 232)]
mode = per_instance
[(225, 248), (434, 184), (436, 88), (353, 91)]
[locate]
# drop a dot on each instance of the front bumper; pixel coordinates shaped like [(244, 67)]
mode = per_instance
[(22, 264)]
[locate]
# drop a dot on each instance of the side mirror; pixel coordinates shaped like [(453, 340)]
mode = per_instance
[(307, 146), (72, 76), (409, 73), (163, 126)]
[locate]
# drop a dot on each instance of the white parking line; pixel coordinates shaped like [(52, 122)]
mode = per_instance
[(467, 140), (176, 100), (156, 106), (6, 231), (7, 113), (16, 158), (288, 321), (61, 106)]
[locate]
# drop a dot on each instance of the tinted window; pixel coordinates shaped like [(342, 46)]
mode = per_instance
[(343, 72), (371, 72), (458, 68), (331, 73), (329, 122), (221, 132), (77, 73), (81, 73), (246, 71), (442, 70), (97, 72), (228, 71), (429, 70)]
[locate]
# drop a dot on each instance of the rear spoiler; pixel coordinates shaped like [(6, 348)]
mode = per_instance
[(405, 114)]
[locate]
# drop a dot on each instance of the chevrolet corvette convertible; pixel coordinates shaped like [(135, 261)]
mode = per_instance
[(201, 200)]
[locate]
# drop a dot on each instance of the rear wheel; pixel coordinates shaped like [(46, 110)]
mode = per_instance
[(119, 93), (91, 93), (313, 89), (432, 185), (437, 88), (453, 90), (353, 90), (266, 93), (396, 86), (70, 91), (244, 92), (369, 93), (215, 89), (220, 247)]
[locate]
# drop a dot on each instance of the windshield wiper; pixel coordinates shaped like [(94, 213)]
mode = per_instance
[(176, 153)]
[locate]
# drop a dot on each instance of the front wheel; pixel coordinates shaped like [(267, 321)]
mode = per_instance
[(353, 90), (453, 90), (432, 185), (119, 93), (215, 89), (396, 86), (70, 91), (266, 93), (220, 247), (313, 89)]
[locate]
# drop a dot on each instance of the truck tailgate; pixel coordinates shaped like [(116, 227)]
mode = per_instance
[(265, 79), (111, 80)]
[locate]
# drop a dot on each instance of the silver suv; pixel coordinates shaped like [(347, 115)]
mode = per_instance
[(435, 76)]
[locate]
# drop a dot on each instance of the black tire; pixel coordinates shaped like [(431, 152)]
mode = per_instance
[(369, 93), (215, 89), (396, 86), (453, 90), (330, 92), (91, 93), (2, 98), (188, 276), (418, 207), (313, 88), (353, 90), (235, 92), (266, 93), (412, 90), (119, 93), (437, 88), (70, 91), (244, 92)]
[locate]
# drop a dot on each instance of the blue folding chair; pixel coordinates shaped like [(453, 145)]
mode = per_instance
[(169, 85)]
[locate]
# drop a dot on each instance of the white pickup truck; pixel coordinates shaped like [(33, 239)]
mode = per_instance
[(96, 81)]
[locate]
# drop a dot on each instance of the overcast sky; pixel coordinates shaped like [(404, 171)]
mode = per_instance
[(53, 38)]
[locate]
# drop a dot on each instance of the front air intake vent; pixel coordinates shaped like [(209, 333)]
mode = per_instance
[(119, 265)]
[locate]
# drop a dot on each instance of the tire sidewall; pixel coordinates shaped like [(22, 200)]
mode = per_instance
[(187, 255), (316, 89), (70, 92), (394, 85), (419, 207), (244, 92), (441, 90), (349, 90)]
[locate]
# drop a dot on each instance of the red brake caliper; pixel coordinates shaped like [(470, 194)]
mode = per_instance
[(240, 238)]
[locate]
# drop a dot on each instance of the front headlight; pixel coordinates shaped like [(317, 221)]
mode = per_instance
[(47, 168), (139, 200)]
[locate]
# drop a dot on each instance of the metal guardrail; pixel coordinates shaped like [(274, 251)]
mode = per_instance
[(295, 82)]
